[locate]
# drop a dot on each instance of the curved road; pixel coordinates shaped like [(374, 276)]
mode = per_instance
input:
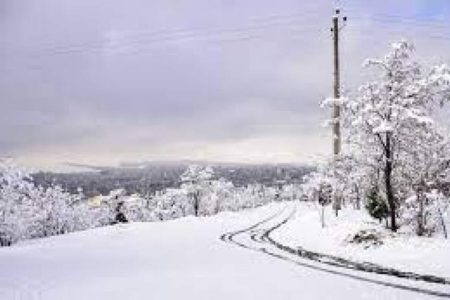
[(257, 237)]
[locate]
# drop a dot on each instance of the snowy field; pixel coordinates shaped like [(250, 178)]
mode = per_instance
[(403, 251), (179, 259)]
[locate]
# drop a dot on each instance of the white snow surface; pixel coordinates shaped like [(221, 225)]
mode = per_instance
[(179, 259), (402, 250)]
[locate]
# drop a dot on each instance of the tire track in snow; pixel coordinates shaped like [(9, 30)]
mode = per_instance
[(257, 238), (230, 236)]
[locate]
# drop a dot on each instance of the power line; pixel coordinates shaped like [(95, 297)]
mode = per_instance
[(410, 20), (361, 10), (423, 35), (427, 30), (161, 39), (169, 34), (238, 39), (143, 41), (149, 49), (418, 23)]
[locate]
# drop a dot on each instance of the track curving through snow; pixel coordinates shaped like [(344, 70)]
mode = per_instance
[(257, 237)]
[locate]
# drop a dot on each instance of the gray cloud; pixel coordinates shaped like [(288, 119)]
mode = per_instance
[(106, 81)]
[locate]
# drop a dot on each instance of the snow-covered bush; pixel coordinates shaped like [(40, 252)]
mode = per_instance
[(28, 211), (201, 194), (426, 212), (56, 212), (291, 192), (251, 196), (171, 204), (376, 205), (17, 208), (209, 195), (136, 209)]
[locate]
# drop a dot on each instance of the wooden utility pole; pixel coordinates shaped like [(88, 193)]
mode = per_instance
[(336, 117), (337, 88)]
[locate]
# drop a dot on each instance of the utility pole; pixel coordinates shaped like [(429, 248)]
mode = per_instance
[(336, 116)]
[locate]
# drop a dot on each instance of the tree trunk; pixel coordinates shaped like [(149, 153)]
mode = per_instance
[(444, 227), (196, 204), (420, 216), (322, 216), (358, 198), (388, 183)]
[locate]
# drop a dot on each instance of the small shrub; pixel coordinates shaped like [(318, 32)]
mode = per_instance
[(376, 206), (368, 238)]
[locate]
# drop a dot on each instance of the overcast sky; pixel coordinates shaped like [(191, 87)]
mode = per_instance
[(109, 81)]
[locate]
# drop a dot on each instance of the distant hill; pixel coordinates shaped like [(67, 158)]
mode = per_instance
[(148, 177)]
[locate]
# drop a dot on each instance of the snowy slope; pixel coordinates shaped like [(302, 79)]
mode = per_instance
[(403, 251), (180, 259)]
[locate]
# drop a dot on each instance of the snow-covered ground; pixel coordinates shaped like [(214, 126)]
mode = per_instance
[(179, 259), (402, 251)]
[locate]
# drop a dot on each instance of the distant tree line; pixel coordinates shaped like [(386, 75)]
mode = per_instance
[(157, 177)]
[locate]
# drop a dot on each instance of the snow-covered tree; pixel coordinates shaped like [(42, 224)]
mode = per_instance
[(425, 170), (426, 212), (17, 210), (171, 204), (221, 196), (250, 196), (57, 212), (196, 180), (318, 187), (391, 119), (28, 211)]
